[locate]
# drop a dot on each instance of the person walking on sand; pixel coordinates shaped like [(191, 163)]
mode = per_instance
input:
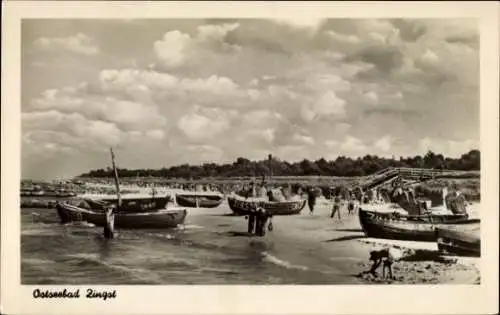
[(351, 205), (336, 206), (311, 198)]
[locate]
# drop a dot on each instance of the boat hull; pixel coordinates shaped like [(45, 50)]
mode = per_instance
[(139, 220), (201, 201), (243, 207), (134, 204), (463, 242), (404, 227)]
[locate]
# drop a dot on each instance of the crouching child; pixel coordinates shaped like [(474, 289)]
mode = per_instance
[(384, 257)]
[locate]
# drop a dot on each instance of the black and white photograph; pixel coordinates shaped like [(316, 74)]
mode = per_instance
[(250, 151)]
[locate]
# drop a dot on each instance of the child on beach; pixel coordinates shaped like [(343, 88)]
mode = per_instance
[(352, 204)]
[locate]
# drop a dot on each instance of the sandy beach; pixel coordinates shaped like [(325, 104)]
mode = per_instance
[(418, 262)]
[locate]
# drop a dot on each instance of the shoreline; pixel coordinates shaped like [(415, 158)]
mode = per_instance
[(418, 262), (323, 244)]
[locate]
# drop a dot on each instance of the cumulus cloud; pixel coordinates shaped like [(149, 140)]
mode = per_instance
[(383, 144), (213, 90), (305, 140), (198, 127), (371, 97), (329, 104), (72, 126), (171, 49), (309, 23), (128, 78), (79, 43), (126, 113), (349, 38), (331, 143), (176, 48), (454, 148), (352, 145)]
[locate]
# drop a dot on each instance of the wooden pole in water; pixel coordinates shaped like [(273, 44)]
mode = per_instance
[(109, 228)]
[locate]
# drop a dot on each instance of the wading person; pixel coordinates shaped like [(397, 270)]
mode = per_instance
[(251, 221), (336, 206), (109, 226), (311, 199), (262, 219), (259, 223)]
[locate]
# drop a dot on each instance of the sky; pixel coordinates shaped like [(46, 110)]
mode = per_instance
[(173, 91)]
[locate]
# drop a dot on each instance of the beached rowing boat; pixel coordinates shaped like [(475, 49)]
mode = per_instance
[(198, 200), (165, 218), (407, 227), (460, 240), (242, 206)]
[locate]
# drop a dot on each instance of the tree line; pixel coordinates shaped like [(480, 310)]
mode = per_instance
[(341, 166)]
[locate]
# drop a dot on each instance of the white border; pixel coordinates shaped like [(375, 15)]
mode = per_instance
[(345, 299)]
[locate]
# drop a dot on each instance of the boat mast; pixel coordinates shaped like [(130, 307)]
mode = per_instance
[(270, 159)]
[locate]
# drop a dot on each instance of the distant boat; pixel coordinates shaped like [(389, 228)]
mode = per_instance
[(408, 227), (164, 218), (242, 206), (458, 240), (199, 200), (49, 193)]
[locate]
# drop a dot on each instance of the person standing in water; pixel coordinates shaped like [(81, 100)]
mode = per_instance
[(109, 226), (251, 221), (311, 196), (262, 218)]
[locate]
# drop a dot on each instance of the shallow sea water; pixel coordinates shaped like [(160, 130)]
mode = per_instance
[(209, 248)]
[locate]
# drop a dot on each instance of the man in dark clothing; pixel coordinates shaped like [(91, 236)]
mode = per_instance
[(270, 194), (262, 218), (251, 221), (311, 196)]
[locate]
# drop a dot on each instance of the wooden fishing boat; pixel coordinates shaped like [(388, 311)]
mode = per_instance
[(242, 206), (164, 218), (132, 204), (408, 227), (198, 200), (37, 203), (458, 240)]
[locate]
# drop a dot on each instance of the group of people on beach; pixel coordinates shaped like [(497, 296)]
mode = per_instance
[(343, 198)]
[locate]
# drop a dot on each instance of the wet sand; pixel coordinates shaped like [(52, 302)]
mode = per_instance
[(417, 262)]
